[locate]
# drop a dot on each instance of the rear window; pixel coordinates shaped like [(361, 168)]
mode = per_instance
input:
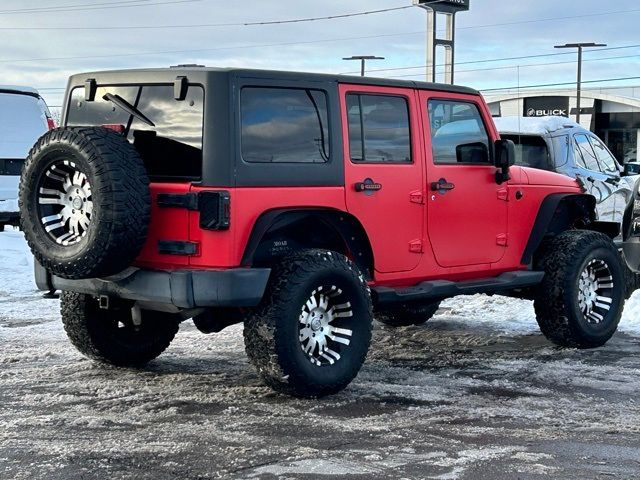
[(172, 147), (531, 151)]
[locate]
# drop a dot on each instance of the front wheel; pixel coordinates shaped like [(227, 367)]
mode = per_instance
[(580, 300), (311, 334)]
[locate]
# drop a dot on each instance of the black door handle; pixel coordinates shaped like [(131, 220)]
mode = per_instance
[(442, 186), (367, 186)]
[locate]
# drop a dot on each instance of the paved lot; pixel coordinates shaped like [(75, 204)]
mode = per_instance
[(475, 394)]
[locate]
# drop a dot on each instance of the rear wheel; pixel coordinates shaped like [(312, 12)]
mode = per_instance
[(311, 334), (580, 300), (112, 336), (407, 314)]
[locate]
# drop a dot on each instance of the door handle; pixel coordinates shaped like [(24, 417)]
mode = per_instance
[(442, 186), (367, 186)]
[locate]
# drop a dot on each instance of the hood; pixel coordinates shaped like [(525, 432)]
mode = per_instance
[(534, 176)]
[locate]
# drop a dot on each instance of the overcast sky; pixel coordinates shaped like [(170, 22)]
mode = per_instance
[(41, 47)]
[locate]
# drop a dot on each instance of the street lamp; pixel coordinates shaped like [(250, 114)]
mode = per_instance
[(363, 59), (580, 47)]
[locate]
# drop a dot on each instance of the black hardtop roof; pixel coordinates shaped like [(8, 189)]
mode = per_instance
[(197, 74)]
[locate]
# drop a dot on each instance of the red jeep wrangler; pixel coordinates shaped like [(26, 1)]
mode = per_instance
[(298, 204)]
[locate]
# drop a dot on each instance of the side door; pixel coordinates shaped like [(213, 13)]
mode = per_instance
[(621, 191), (384, 171), (595, 180), (466, 208)]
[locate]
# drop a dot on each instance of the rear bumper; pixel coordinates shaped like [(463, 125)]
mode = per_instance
[(238, 287)]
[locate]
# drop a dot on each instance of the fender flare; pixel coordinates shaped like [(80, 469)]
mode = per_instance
[(344, 224), (551, 218)]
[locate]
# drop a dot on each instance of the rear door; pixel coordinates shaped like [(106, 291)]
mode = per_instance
[(466, 208), (598, 183), (384, 171)]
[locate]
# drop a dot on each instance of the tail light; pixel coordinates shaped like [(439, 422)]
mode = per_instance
[(51, 123), (116, 127)]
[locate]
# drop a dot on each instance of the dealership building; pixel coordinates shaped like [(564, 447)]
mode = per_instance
[(611, 113)]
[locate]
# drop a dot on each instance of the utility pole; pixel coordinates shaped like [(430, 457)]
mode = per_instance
[(580, 47), (363, 59)]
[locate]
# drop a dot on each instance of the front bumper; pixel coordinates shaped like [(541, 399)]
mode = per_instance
[(184, 289)]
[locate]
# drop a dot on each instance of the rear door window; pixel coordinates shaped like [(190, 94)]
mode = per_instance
[(22, 122), (172, 146), (378, 129)]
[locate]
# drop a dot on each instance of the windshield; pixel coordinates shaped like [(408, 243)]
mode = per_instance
[(166, 132), (531, 151)]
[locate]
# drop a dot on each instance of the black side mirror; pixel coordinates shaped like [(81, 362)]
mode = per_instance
[(504, 158), (472, 153), (630, 169)]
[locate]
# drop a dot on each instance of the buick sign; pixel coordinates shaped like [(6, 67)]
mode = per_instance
[(546, 106)]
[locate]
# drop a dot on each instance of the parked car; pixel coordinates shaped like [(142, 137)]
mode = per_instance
[(560, 145), (298, 203), (24, 117)]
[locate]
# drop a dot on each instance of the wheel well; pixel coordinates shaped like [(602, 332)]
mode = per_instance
[(282, 232), (561, 212)]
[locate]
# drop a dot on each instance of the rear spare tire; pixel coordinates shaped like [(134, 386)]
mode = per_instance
[(84, 202)]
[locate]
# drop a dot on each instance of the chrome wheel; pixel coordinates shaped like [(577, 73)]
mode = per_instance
[(65, 203), (322, 334), (595, 291)]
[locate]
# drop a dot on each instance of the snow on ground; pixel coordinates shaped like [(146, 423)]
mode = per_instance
[(476, 393)]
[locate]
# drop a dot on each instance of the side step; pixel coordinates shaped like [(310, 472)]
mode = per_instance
[(440, 289)]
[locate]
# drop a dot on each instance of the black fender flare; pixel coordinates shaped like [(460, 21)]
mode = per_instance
[(344, 224), (553, 218)]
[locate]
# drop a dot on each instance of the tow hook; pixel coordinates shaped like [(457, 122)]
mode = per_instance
[(136, 316), (103, 302)]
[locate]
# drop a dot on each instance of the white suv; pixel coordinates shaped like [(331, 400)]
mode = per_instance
[(24, 117)]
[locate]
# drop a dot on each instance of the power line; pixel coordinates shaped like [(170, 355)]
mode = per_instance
[(77, 5), (522, 22), (606, 80), (491, 60), (97, 6), (507, 67), (237, 24)]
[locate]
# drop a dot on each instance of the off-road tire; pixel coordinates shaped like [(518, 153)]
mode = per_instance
[(556, 300), (407, 314), (272, 331), (120, 195), (109, 336)]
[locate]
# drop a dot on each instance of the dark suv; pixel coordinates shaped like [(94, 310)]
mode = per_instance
[(297, 204)]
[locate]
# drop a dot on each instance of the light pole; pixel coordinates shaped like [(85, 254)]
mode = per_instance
[(580, 47), (363, 59)]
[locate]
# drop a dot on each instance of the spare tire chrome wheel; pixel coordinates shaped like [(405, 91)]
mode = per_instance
[(65, 202), (85, 203)]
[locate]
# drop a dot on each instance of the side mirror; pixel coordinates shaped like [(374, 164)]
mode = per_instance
[(631, 169), (504, 158), (472, 153)]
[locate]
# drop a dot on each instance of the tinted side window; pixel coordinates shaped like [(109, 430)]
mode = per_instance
[(172, 147), (284, 125), (454, 124), (379, 129), (605, 158), (589, 160)]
